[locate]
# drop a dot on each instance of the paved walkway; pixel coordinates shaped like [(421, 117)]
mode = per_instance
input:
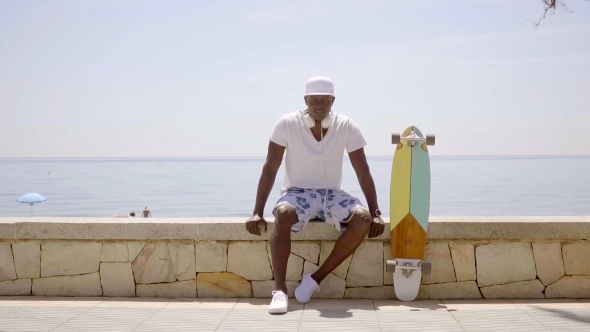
[(141, 314)]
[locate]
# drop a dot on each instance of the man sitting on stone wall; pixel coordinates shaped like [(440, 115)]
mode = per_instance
[(315, 140)]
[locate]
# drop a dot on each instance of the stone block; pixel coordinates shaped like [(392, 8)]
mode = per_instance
[(211, 256), (249, 260), (76, 285), (387, 276), (463, 255), (449, 290), (548, 261), (222, 284), (15, 287), (116, 279), (442, 270), (7, 229), (569, 287), (366, 265), (342, 269), (307, 250), (503, 263), (134, 248), (27, 259), (531, 289), (264, 289), (332, 287), (153, 265), (114, 252), (183, 260), (69, 258), (294, 266), (575, 258), (180, 289), (7, 271), (375, 293)]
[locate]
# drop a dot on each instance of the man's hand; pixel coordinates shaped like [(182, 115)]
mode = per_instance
[(253, 223), (377, 227)]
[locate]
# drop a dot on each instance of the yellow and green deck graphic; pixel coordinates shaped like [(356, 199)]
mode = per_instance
[(410, 198)]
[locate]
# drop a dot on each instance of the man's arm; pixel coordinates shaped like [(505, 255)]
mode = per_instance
[(274, 158), (363, 173)]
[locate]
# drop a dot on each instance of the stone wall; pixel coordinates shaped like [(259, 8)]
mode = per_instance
[(460, 269)]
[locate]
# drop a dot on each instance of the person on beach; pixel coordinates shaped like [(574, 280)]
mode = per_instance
[(314, 140), (146, 213)]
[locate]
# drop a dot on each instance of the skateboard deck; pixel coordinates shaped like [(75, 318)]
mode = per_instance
[(409, 211)]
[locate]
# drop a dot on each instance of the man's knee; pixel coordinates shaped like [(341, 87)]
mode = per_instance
[(285, 215), (360, 219)]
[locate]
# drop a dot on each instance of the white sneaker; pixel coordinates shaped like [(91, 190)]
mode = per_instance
[(305, 290), (279, 303)]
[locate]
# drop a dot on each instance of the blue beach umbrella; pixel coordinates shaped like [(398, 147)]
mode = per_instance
[(31, 198)]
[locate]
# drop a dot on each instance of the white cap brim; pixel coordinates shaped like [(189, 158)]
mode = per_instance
[(319, 94)]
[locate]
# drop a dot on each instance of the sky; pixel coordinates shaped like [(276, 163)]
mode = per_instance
[(116, 78)]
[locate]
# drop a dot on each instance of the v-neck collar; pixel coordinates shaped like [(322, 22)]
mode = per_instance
[(330, 129), (321, 139)]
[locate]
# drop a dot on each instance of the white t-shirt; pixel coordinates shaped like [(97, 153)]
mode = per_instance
[(305, 156)]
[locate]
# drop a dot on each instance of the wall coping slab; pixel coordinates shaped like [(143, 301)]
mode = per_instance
[(233, 229)]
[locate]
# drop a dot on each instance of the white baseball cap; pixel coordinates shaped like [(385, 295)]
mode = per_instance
[(319, 85)]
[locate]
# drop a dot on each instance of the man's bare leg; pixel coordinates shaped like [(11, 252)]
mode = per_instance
[(280, 243), (357, 229)]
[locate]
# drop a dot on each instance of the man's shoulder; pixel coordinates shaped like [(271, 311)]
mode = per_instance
[(290, 118), (342, 118), (345, 121)]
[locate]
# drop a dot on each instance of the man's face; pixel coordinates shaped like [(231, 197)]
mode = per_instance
[(319, 106)]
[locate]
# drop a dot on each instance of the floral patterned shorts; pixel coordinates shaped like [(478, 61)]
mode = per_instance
[(309, 204)]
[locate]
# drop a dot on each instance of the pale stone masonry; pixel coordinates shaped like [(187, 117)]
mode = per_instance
[(471, 258)]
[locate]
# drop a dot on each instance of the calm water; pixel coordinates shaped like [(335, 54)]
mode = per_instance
[(461, 186)]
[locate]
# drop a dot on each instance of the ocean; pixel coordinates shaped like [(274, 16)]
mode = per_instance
[(226, 187)]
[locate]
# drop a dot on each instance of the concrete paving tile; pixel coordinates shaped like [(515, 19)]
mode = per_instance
[(4, 299), (259, 327), (408, 306), (188, 329), (147, 314), (42, 316), (4, 311), (262, 305), (362, 304), (69, 301), (203, 303), (502, 325), (97, 327), (486, 304), (501, 329), (216, 301), (341, 326), (9, 325), (548, 303), (173, 325), (29, 329), (134, 302)]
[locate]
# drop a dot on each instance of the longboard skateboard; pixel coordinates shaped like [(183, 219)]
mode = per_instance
[(409, 210)]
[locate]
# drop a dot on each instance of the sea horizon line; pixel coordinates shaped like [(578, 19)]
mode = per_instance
[(146, 158)]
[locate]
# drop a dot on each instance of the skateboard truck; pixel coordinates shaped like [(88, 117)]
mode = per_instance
[(407, 266), (412, 138)]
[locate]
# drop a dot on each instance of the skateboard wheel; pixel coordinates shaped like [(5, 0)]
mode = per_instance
[(430, 139), (390, 265), (426, 268), (395, 138)]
